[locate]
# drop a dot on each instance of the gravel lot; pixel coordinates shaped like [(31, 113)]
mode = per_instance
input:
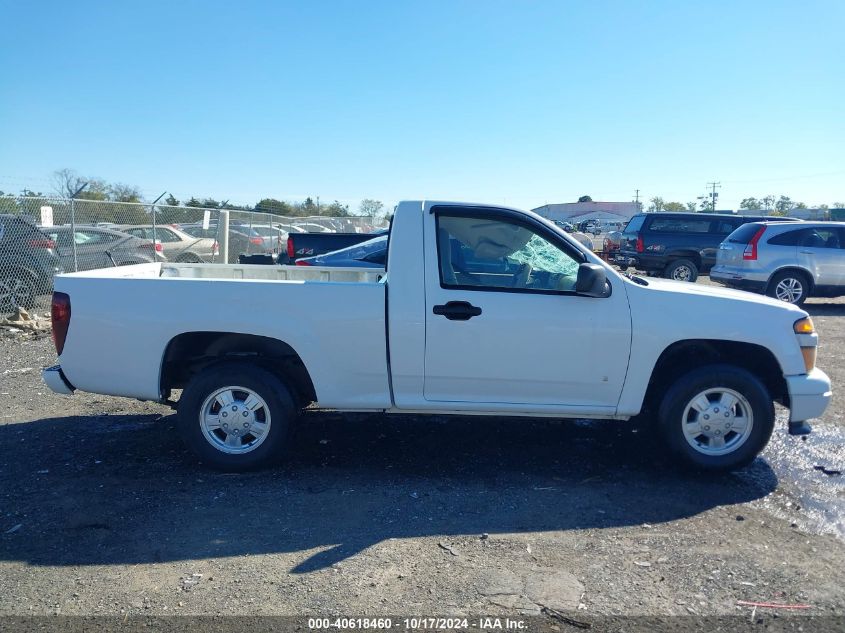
[(103, 512)]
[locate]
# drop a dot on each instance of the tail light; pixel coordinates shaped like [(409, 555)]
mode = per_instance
[(750, 251), (60, 315), (640, 245), (302, 262), (215, 248), (43, 242), (291, 254), (257, 241), (150, 245)]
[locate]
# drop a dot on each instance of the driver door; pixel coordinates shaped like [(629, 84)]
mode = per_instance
[(504, 326)]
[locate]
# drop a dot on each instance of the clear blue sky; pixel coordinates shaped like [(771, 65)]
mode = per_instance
[(516, 102)]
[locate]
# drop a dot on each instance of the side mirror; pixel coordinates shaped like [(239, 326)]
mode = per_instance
[(591, 281)]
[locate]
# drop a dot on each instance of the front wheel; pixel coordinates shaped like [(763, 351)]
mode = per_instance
[(717, 418), (235, 417)]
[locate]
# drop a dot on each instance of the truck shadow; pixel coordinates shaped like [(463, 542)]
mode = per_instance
[(121, 489)]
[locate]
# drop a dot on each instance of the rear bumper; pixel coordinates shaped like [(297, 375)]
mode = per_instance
[(55, 378), (809, 395), (738, 278)]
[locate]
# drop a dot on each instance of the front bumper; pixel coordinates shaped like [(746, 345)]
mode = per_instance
[(809, 395), (55, 378)]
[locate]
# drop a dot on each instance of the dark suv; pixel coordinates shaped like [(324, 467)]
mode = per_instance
[(677, 245), (28, 262)]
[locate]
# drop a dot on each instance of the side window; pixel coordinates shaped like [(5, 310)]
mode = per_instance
[(724, 227), (821, 238), (789, 238), (500, 254), (165, 235), (138, 233), (679, 225)]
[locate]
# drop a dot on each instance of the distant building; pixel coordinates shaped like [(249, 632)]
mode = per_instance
[(579, 211)]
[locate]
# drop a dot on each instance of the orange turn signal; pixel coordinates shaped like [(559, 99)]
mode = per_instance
[(804, 326)]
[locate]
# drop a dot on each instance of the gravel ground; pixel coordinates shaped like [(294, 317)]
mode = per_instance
[(103, 512)]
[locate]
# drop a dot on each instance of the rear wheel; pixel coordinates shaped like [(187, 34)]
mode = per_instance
[(717, 418), (681, 270), (189, 258), (235, 417), (17, 289), (789, 286)]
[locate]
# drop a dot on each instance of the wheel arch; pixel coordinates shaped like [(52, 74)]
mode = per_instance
[(684, 356), (191, 352), (803, 271), (675, 255)]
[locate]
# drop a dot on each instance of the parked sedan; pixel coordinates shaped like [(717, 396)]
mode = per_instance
[(239, 242), (100, 248), (177, 245), (28, 262), (369, 254)]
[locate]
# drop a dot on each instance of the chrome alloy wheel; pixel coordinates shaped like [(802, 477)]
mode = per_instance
[(717, 421), (682, 273), (235, 420), (789, 289)]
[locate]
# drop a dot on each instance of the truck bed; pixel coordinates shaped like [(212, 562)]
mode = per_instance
[(238, 272), (334, 319)]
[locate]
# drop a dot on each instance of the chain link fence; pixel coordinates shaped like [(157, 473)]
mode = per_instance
[(41, 237)]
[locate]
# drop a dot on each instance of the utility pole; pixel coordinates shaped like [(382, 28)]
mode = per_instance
[(637, 197), (713, 195)]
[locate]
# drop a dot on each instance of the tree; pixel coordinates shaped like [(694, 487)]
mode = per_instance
[(335, 209), (585, 199), (674, 206), (171, 201), (656, 204), (66, 182), (768, 202), (800, 205), (277, 207), (371, 208), (124, 193), (692, 206), (752, 204), (784, 204), (308, 207)]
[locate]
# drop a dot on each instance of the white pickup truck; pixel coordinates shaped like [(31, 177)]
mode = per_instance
[(481, 310)]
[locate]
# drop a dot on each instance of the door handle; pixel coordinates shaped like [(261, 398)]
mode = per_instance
[(457, 310), (807, 253)]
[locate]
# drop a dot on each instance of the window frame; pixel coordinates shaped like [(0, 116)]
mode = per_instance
[(548, 232)]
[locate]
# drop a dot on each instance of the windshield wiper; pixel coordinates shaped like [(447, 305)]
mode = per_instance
[(637, 279)]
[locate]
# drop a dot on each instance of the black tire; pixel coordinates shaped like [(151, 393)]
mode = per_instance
[(671, 418), (795, 281), (681, 270), (17, 289), (280, 403)]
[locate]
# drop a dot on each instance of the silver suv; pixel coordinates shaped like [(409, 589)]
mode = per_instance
[(787, 261)]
